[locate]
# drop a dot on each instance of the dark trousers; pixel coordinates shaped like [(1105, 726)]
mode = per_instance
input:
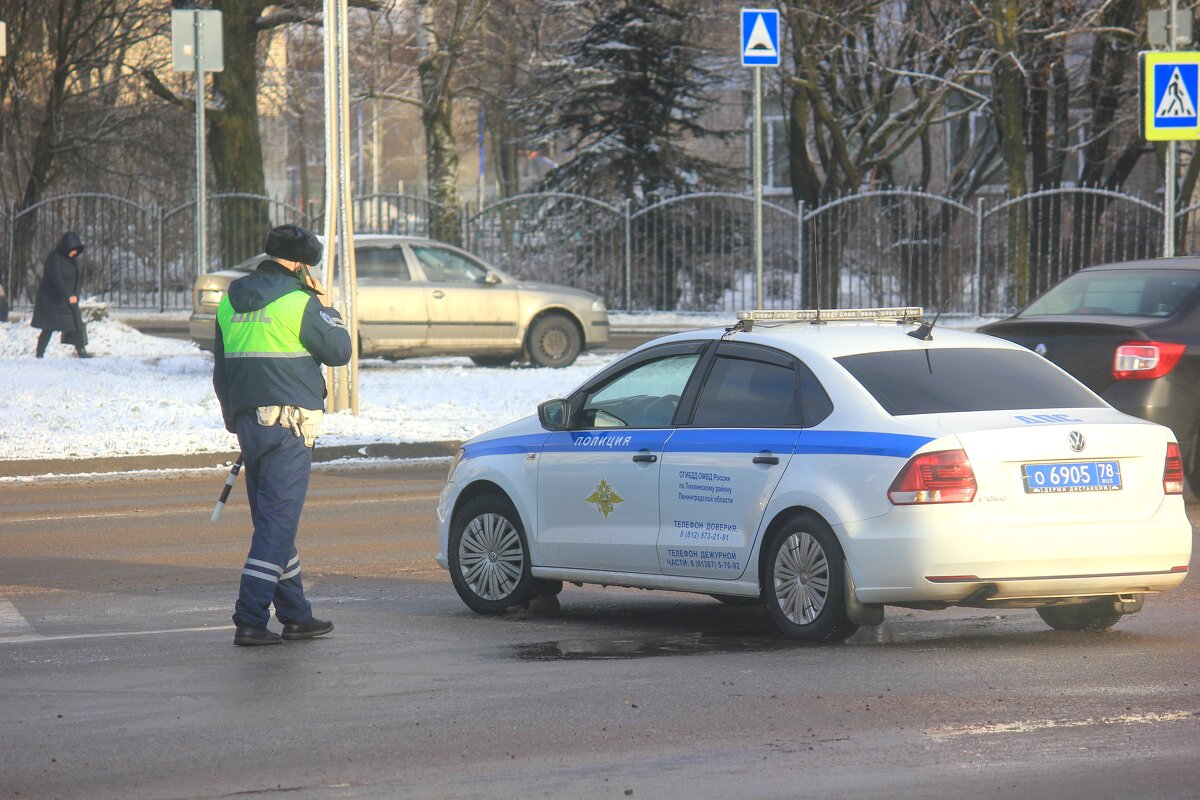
[(277, 468), (44, 339)]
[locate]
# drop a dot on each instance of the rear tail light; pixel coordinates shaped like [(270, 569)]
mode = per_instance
[(1173, 470), (942, 477), (1138, 361)]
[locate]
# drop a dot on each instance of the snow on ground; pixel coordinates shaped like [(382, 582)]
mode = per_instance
[(145, 395)]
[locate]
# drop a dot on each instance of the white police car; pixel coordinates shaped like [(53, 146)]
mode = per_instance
[(827, 464)]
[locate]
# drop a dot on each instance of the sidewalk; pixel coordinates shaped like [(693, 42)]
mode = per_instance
[(76, 466)]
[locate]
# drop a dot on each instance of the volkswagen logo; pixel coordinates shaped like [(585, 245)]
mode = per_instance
[(1040, 349), (1077, 442)]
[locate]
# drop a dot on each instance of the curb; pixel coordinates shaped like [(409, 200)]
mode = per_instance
[(77, 466)]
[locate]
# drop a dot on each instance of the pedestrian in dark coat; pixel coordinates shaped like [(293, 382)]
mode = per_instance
[(56, 307)]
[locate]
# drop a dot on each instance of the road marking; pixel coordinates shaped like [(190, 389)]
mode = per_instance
[(12, 622), (1029, 726), (111, 634)]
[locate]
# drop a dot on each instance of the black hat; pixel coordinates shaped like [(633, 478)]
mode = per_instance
[(293, 243)]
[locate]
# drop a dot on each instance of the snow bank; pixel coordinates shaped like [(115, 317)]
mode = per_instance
[(145, 395)]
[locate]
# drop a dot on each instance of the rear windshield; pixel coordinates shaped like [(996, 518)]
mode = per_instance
[(1120, 293), (974, 379)]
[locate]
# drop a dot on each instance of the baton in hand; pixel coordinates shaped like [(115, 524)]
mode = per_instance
[(233, 473)]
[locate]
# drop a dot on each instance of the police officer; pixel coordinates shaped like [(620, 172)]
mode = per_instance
[(274, 330)]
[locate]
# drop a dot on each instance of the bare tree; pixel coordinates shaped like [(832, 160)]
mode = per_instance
[(869, 80), (1063, 79), (69, 102), (234, 135)]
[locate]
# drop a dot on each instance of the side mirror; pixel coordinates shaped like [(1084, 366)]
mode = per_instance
[(491, 279), (555, 415)]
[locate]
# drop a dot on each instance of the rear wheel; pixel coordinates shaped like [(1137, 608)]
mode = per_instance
[(489, 557), (554, 341), (804, 582), (1094, 615)]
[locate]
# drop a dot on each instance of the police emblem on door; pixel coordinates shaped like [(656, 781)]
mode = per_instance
[(604, 498)]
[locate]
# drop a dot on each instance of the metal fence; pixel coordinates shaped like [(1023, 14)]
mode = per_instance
[(694, 252)]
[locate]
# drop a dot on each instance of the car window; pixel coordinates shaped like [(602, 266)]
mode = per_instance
[(444, 266), (381, 262), (743, 393), (1144, 293), (644, 397), (969, 379)]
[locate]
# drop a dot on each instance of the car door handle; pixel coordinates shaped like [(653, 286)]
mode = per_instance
[(438, 293), (766, 458), (645, 457)]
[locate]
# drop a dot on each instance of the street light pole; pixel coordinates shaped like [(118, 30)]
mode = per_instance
[(201, 189)]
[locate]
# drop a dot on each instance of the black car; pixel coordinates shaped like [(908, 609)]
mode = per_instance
[(1131, 333)]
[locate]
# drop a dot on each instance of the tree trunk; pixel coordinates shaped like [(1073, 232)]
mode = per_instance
[(234, 140), (1008, 90), (441, 150)]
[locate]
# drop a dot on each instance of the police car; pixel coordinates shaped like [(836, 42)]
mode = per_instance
[(827, 464)]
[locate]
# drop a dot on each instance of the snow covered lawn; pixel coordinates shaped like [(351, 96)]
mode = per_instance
[(144, 395)]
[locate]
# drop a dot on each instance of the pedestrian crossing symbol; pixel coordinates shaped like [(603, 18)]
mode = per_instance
[(760, 37), (1171, 95), (1175, 93)]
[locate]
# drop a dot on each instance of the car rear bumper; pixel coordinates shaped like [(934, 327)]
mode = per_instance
[(949, 555)]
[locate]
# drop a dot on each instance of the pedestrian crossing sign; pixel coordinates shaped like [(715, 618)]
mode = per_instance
[(760, 37), (1170, 88)]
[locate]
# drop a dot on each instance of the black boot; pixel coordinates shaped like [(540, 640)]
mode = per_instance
[(43, 340), (80, 352)]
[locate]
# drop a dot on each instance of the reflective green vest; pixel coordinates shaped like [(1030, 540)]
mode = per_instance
[(270, 332)]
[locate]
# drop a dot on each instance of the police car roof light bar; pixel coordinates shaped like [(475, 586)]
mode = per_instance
[(902, 314)]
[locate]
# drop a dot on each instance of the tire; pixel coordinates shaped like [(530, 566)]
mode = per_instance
[(493, 361), (554, 341), (1094, 615), (489, 555), (804, 582), (737, 600)]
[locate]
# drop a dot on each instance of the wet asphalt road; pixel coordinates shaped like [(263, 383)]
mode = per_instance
[(118, 678)]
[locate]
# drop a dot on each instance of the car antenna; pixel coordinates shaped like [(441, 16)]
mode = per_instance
[(925, 332)]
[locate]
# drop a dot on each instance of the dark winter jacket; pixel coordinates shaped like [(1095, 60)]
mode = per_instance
[(60, 281), (246, 380)]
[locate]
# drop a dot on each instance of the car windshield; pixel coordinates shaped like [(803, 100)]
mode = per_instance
[(1121, 293), (938, 381)]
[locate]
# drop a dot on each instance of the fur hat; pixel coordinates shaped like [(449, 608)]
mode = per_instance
[(293, 243)]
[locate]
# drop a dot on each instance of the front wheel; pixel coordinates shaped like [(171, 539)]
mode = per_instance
[(554, 341), (1094, 615), (804, 582), (489, 557)]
